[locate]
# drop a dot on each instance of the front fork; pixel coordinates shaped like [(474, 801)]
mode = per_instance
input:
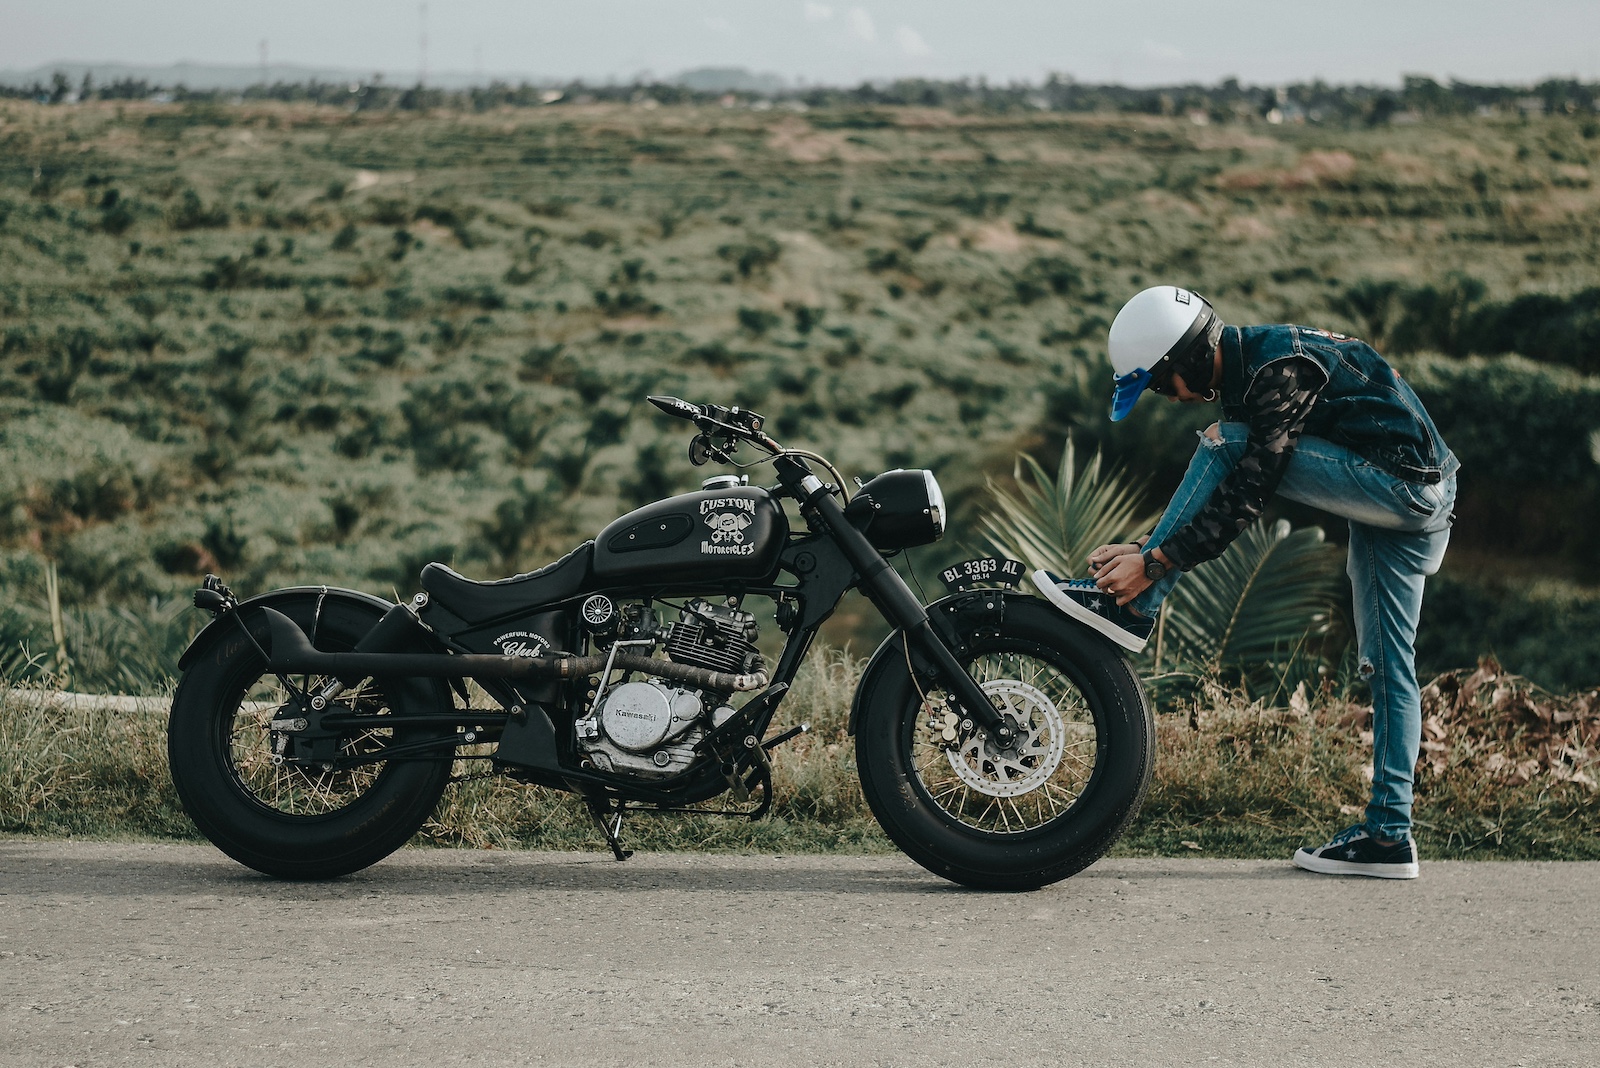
[(889, 593)]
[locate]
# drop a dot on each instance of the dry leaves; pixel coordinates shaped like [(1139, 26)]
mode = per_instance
[(1505, 727)]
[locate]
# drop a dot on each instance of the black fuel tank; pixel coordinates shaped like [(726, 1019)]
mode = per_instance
[(736, 533)]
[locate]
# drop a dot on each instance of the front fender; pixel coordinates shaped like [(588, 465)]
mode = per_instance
[(955, 618), (214, 630)]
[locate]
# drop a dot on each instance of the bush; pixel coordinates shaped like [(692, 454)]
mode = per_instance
[(1455, 317), (752, 256), (191, 213), (1547, 635), (1511, 420), (1524, 432)]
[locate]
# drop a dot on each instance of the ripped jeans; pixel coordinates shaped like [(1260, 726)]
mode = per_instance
[(1398, 534)]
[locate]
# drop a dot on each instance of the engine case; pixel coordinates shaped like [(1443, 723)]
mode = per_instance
[(639, 716), (647, 728)]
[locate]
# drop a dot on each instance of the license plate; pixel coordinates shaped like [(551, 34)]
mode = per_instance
[(984, 571)]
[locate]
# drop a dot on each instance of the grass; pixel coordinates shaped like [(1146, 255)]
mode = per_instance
[(1508, 773), (1243, 779)]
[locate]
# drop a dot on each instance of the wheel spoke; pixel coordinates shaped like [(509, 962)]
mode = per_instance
[(297, 790), (1035, 780)]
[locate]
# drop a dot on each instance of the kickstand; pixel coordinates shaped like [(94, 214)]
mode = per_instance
[(608, 817)]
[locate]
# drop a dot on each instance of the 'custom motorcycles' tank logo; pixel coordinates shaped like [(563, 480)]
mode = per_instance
[(728, 517), (522, 643)]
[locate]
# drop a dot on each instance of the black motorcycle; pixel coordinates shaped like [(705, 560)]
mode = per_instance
[(1000, 744)]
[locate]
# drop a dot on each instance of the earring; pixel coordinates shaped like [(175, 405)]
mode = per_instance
[(1209, 396)]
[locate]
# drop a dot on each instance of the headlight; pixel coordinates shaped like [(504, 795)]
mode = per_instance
[(899, 509)]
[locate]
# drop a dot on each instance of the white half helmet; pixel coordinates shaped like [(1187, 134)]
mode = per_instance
[(1159, 323)]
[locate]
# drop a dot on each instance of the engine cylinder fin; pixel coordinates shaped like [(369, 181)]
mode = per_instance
[(717, 637)]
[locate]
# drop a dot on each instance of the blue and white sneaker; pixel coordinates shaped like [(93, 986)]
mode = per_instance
[(1355, 852), (1084, 601)]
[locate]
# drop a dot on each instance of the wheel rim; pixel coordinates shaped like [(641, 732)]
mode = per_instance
[(1028, 785), (251, 745)]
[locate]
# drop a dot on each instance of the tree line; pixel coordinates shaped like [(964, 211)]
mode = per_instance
[(1229, 100)]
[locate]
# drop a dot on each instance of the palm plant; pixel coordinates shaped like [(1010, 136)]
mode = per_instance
[(1258, 614), (1267, 599), (1055, 523)]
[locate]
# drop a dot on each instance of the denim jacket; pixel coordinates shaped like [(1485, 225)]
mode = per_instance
[(1364, 405)]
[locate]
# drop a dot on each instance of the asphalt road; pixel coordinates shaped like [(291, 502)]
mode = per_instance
[(173, 955)]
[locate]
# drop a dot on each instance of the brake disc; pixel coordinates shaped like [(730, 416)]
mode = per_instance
[(1029, 761)]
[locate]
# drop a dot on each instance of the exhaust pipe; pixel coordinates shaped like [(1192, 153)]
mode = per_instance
[(291, 651)]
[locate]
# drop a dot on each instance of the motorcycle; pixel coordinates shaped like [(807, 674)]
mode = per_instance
[(1000, 744)]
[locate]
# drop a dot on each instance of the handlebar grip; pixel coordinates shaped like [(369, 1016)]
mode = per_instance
[(680, 408)]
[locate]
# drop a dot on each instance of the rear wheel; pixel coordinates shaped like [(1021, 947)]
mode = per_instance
[(298, 819), (1036, 811)]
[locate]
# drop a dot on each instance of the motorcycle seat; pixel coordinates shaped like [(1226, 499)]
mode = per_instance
[(479, 601)]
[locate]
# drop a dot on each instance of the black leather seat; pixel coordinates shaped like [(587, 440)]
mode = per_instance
[(478, 601)]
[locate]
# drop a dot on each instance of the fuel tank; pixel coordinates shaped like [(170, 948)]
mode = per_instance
[(730, 533)]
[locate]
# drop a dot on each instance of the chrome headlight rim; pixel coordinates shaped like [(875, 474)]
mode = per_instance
[(936, 508)]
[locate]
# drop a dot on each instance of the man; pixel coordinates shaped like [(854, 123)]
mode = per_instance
[(1321, 419)]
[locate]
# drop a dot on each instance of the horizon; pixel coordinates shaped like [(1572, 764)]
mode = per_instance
[(810, 43), (215, 77)]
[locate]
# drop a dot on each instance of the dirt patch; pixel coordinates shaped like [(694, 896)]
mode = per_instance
[(1406, 169), (996, 237), (1162, 200), (1242, 228), (1312, 170), (803, 271), (1215, 138), (432, 231), (797, 139), (1320, 169)]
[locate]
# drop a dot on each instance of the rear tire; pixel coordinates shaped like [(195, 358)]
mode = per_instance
[(281, 819), (1026, 817)]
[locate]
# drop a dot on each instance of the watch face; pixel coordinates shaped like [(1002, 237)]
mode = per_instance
[(1153, 568)]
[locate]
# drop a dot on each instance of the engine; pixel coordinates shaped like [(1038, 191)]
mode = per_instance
[(649, 727)]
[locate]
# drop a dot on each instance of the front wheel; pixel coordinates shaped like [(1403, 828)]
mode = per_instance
[(1032, 813)]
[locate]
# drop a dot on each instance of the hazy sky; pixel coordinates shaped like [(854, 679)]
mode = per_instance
[(1158, 41)]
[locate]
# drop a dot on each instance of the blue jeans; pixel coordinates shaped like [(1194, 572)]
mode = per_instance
[(1398, 534)]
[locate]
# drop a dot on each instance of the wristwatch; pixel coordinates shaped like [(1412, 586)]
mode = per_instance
[(1153, 569)]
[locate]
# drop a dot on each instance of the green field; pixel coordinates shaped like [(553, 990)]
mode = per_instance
[(292, 343)]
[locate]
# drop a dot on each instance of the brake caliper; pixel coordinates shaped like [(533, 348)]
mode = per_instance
[(942, 722)]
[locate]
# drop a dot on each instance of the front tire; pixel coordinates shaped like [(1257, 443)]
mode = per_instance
[(1034, 814), (282, 819)]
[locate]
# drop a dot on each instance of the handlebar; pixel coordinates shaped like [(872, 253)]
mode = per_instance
[(734, 424)]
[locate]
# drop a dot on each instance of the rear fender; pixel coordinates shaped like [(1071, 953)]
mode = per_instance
[(222, 626)]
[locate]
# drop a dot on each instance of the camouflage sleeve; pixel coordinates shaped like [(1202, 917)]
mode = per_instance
[(1276, 406)]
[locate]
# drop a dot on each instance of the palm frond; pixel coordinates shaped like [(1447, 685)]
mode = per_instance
[(1054, 523), (1257, 612), (1273, 586)]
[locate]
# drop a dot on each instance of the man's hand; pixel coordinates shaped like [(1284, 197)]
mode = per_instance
[(1106, 553), (1123, 576)]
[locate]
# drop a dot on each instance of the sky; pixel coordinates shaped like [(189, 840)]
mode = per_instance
[(1130, 42)]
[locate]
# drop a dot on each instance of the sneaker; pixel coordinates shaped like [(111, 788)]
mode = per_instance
[(1355, 852), (1084, 601)]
